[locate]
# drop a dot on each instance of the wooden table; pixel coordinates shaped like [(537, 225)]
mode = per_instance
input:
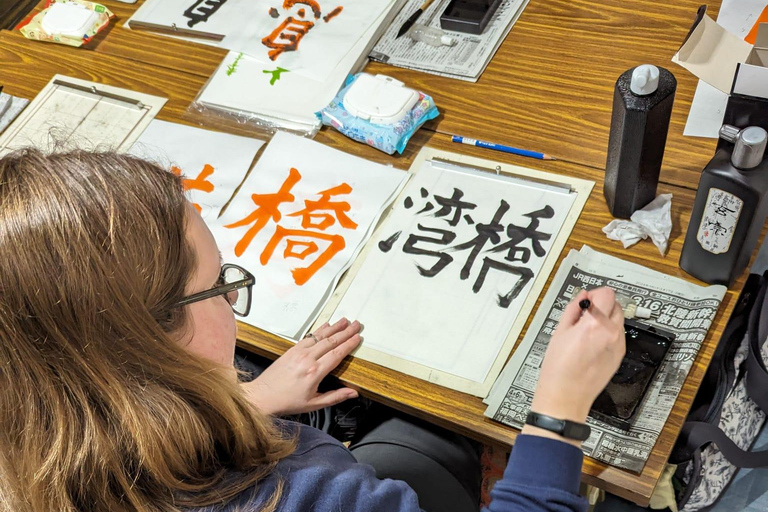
[(549, 88)]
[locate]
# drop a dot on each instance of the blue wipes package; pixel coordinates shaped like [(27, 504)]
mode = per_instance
[(378, 111)]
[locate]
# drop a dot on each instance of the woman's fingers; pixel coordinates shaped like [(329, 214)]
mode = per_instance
[(322, 332), (330, 398), (324, 345), (604, 300), (331, 359), (572, 311)]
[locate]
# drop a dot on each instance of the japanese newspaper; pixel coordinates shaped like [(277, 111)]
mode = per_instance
[(679, 307), (466, 60)]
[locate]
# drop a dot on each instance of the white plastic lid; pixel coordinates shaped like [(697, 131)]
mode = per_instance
[(447, 40), (68, 19), (379, 99), (642, 312), (645, 80)]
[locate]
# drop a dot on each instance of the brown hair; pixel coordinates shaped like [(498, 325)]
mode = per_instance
[(100, 407)]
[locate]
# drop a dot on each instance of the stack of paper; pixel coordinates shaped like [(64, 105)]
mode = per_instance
[(298, 222), (465, 61), (287, 60)]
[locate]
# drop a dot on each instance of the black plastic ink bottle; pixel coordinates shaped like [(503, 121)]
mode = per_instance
[(642, 106), (730, 208)]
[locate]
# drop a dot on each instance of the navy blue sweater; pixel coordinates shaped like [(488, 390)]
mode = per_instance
[(323, 476)]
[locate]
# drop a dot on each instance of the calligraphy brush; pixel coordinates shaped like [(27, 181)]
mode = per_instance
[(415, 16)]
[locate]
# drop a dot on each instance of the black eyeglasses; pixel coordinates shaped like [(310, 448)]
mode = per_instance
[(235, 282)]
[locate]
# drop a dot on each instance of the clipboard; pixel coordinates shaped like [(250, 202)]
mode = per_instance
[(554, 183), (70, 113)]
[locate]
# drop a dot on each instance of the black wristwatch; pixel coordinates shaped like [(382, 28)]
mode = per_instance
[(565, 428)]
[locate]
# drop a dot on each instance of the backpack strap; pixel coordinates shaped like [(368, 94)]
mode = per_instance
[(699, 435), (757, 376), (696, 435)]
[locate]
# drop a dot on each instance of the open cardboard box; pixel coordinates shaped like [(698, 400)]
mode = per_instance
[(732, 65)]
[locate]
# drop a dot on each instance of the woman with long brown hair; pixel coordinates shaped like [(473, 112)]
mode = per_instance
[(117, 389)]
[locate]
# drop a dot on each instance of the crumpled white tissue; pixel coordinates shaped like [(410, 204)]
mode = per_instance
[(655, 220)]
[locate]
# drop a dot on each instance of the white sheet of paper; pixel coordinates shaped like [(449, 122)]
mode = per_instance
[(245, 85), (450, 321), (320, 34), (708, 106), (286, 252), (213, 16), (213, 163)]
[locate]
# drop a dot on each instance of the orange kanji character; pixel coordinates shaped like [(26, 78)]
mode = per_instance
[(199, 183), (302, 275), (294, 31), (268, 207), (287, 4), (324, 203)]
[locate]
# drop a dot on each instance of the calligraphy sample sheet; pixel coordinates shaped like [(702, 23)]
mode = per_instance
[(297, 223), (458, 263), (70, 113), (213, 164), (307, 37)]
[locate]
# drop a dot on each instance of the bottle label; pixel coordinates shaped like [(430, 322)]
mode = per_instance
[(718, 223)]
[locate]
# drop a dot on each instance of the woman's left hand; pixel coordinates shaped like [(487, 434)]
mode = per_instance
[(289, 385)]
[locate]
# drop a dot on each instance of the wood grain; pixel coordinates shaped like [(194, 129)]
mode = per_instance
[(549, 88)]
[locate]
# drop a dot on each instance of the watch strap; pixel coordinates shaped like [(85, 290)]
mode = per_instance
[(564, 428)]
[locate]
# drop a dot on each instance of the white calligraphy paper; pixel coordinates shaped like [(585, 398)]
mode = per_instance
[(450, 271), (308, 37), (297, 223), (213, 164), (211, 16)]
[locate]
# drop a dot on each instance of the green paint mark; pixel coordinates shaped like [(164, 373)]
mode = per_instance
[(233, 67), (99, 8), (275, 74)]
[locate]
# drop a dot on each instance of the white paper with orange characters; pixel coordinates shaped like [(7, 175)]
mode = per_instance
[(213, 164), (297, 223)]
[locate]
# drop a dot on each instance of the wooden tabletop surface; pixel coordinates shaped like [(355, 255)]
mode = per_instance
[(549, 88)]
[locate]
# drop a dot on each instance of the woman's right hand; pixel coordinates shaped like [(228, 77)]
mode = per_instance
[(583, 355), (289, 385)]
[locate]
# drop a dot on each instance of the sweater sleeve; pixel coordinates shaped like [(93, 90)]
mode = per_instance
[(542, 475)]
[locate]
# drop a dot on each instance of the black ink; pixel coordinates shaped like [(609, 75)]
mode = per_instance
[(469, 219), (408, 203), (453, 203), (427, 207), (485, 232), (273, 12), (518, 234), (386, 245), (424, 192), (505, 300), (443, 259), (205, 9)]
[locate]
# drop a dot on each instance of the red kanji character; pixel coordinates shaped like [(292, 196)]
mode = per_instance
[(268, 208), (324, 203)]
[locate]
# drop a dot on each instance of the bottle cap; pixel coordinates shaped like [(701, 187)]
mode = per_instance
[(729, 132), (447, 40), (645, 80), (749, 148)]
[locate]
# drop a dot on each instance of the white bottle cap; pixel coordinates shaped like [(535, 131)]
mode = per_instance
[(642, 312), (447, 40), (645, 80)]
